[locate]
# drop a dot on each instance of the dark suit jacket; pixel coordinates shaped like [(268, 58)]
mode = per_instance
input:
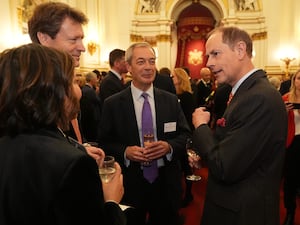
[(188, 106), (90, 113), (285, 87), (164, 83), (45, 180), (221, 99), (245, 156), (119, 129), (203, 92), (110, 85)]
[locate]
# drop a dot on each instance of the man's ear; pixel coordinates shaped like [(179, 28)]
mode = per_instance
[(43, 38), (241, 49), (128, 67)]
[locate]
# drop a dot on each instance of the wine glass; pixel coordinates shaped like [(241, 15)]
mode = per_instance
[(148, 138), (107, 169), (191, 152)]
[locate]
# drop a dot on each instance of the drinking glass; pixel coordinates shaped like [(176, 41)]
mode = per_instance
[(107, 169), (148, 138), (191, 152)]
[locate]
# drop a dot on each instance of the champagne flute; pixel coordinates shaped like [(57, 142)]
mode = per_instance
[(191, 152), (107, 169), (148, 138)]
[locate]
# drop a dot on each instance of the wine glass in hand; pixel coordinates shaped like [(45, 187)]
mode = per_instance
[(107, 169), (191, 152), (148, 138)]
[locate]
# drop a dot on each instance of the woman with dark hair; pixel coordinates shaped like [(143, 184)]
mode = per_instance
[(46, 178)]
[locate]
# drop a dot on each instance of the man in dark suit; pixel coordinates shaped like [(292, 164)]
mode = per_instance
[(164, 82), (204, 86), (245, 154), (113, 83), (285, 87), (90, 108), (121, 136)]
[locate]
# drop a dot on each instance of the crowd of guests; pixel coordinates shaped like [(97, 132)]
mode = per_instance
[(57, 126)]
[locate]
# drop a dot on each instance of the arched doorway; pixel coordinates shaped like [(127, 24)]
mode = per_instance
[(193, 25)]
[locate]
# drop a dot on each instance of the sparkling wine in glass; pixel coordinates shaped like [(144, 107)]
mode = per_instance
[(191, 152), (107, 169), (148, 138)]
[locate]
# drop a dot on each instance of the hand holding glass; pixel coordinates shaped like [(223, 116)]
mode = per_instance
[(107, 169), (193, 154), (148, 138)]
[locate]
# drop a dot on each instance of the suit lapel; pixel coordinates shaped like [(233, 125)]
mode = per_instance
[(159, 111), (127, 109)]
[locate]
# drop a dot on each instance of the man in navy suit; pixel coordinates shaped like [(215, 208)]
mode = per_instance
[(112, 83), (121, 136), (245, 154)]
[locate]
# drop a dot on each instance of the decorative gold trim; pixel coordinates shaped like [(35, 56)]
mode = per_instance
[(92, 47), (259, 36), (196, 21), (136, 38), (163, 38)]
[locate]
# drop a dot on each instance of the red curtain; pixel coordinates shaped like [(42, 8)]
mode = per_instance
[(193, 25)]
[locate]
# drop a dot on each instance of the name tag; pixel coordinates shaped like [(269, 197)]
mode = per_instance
[(169, 127)]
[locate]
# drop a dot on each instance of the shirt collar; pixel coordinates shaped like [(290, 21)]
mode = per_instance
[(238, 84), (116, 73), (136, 93)]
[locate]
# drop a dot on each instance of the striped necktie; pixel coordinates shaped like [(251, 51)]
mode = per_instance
[(230, 98)]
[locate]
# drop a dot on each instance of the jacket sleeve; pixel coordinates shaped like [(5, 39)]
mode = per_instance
[(80, 196)]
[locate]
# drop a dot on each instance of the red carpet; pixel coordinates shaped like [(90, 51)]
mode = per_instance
[(193, 212)]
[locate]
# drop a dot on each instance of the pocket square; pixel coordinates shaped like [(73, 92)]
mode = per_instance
[(221, 122)]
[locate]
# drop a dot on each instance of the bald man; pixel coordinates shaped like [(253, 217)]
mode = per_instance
[(204, 86)]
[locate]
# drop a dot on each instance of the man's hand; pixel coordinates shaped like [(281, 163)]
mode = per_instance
[(200, 116)]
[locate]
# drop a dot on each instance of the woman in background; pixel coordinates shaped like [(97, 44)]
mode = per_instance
[(292, 160), (184, 93), (44, 179)]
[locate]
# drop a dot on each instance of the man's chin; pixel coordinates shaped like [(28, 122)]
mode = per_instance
[(221, 80)]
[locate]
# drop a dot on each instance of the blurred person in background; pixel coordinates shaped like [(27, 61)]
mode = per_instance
[(185, 95), (292, 159)]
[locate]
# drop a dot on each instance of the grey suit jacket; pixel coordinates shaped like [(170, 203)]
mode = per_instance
[(119, 129), (245, 156)]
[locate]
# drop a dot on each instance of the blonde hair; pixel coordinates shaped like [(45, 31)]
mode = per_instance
[(292, 93), (184, 84)]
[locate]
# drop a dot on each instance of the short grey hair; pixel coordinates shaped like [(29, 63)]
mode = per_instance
[(129, 51)]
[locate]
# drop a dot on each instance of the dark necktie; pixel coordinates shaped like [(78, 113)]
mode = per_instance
[(150, 171)]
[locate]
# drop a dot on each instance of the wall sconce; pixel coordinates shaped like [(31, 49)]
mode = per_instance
[(92, 47), (287, 62)]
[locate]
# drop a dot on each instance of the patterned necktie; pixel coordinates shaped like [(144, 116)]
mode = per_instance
[(150, 171), (230, 98)]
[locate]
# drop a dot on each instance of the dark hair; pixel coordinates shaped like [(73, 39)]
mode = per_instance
[(36, 89), (48, 17), (165, 71), (115, 55), (232, 35), (97, 72)]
